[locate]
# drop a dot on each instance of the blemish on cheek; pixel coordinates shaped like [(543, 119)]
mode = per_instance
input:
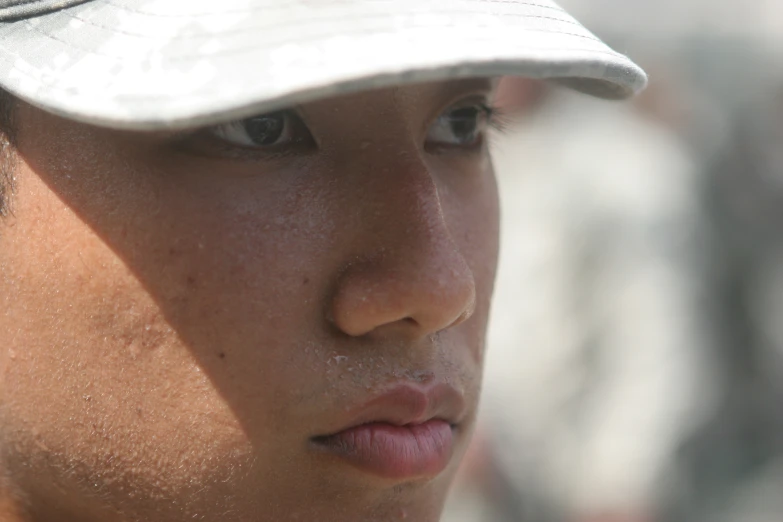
[(306, 281), (191, 281), (222, 355)]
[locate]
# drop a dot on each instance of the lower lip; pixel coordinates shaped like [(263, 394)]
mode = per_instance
[(394, 452)]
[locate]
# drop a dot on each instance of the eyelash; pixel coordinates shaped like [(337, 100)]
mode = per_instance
[(497, 119)]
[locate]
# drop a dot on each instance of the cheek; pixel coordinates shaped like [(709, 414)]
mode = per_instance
[(244, 288), (145, 292), (146, 346), (91, 366)]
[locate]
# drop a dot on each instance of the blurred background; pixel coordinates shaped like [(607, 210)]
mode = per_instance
[(635, 365)]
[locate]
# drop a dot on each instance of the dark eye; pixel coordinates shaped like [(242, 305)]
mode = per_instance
[(265, 130), (459, 127)]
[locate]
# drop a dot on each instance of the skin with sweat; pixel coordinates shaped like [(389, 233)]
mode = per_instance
[(181, 317)]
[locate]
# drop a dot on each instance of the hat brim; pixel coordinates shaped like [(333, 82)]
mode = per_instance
[(153, 64)]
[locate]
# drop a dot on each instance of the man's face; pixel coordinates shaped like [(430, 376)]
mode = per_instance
[(188, 317)]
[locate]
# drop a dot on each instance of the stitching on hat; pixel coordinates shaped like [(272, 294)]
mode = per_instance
[(240, 50), (212, 13), (14, 3), (553, 7), (21, 9), (250, 29)]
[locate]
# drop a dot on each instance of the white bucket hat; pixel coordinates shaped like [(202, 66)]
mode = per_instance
[(151, 64)]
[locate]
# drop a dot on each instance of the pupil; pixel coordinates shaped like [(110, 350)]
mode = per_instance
[(266, 129), (464, 124)]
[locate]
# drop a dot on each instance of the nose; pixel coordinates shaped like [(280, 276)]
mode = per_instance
[(410, 276)]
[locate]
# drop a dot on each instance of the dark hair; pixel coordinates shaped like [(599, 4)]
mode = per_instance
[(7, 144)]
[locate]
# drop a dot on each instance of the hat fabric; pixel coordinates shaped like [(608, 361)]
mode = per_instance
[(152, 64)]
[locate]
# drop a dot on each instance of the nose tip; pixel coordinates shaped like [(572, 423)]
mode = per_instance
[(419, 297)]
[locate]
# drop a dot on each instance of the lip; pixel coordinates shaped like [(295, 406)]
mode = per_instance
[(404, 433)]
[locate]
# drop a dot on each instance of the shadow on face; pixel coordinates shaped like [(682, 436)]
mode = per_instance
[(187, 311)]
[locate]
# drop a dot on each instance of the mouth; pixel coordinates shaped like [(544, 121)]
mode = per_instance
[(406, 433)]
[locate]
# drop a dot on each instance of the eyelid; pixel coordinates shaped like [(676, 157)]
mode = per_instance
[(203, 140), (465, 99), (496, 118)]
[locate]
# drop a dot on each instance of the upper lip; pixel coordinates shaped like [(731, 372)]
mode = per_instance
[(408, 404)]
